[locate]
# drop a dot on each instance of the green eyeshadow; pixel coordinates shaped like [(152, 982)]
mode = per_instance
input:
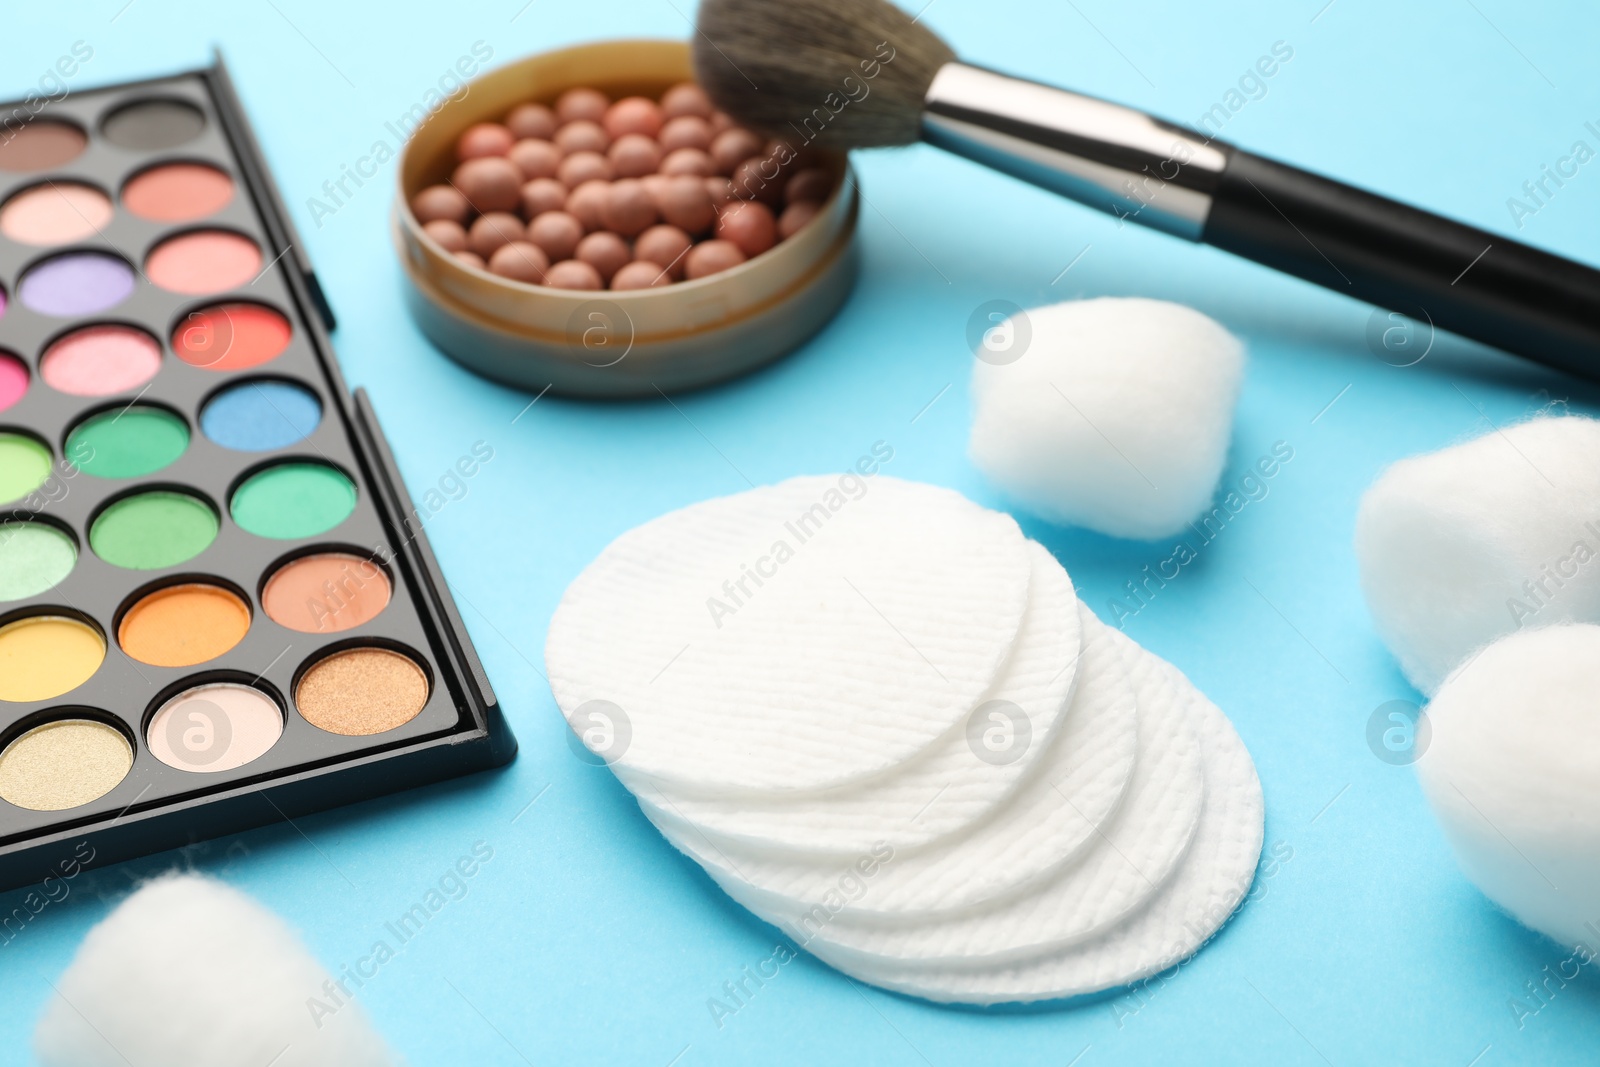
[(293, 500), (149, 531), (129, 442)]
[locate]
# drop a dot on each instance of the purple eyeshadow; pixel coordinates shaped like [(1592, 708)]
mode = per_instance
[(78, 283)]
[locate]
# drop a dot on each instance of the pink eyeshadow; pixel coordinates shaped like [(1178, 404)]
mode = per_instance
[(207, 261), (101, 360), (13, 380)]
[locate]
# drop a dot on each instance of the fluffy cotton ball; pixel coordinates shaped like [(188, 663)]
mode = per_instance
[(1116, 415), (189, 972), (1461, 546), (1512, 770)]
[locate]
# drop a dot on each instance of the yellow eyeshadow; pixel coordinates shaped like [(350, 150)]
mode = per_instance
[(45, 656)]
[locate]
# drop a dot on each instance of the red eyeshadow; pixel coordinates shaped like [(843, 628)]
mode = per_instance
[(227, 337)]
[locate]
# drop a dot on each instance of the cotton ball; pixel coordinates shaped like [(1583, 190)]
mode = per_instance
[(188, 972), (1116, 415), (1512, 770), (1460, 546)]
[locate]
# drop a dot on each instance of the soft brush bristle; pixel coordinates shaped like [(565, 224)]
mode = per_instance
[(834, 73)]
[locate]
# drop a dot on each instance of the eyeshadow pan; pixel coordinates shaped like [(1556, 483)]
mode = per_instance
[(177, 192), (361, 691), (214, 727), (40, 145), (326, 593), (182, 625), (101, 361), (227, 337), (13, 377), (152, 125), (43, 656), (203, 262), (64, 764), (127, 442), (34, 558), (55, 213), (293, 500), (261, 416), (154, 529), (24, 466), (76, 283)]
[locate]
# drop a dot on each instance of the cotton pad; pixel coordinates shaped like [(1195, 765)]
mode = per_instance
[(188, 972), (1124, 866), (1116, 416), (1461, 546), (795, 637), (1054, 816), (1512, 771), (951, 786), (1196, 901)]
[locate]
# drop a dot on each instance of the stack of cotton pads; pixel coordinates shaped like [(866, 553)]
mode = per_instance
[(880, 718)]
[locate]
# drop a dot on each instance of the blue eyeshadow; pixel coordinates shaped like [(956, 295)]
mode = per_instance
[(260, 416)]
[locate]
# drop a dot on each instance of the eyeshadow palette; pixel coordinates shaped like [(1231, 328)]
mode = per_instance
[(217, 606)]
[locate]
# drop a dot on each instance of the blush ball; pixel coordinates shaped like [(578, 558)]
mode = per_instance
[(582, 167), (535, 158), (634, 155), (1113, 414), (532, 120), (633, 114), (1461, 546), (686, 131), (440, 202), (582, 137), (732, 147), (687, 161), (628, 209), (492, 183), (795, 217), (520, 261), (541, 195), (470, 259), (484, 139), (491, 231), (1511, 769), (449, 234), (685, 98), (573, 274), (640, 274), (587, 201), (557, 233), (750, 226), (686, 204), (581, 105), (605, 252), (665, 246), (711, 257)]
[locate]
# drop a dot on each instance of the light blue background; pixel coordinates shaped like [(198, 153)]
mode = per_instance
[(587, 939)]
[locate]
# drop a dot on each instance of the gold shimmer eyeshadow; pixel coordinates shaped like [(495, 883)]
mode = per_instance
[(362, 691), (178, 625), (63, 764)]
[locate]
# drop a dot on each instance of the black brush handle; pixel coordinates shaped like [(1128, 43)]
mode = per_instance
[(1460, 278)]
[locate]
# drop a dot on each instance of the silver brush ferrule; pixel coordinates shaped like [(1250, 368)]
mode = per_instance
[(1113, 158)]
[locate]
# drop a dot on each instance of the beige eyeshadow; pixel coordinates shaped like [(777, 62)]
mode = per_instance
[(362, 691), (63, 764)]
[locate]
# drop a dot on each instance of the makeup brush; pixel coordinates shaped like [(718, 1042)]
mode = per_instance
[(861, 73)]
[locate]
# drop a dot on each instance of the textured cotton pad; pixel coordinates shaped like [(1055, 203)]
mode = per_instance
[(1512, 770), (954, 784), (793, 637), (1116, 415), (1461, 546), (1053, 817), (1125, 864), (1209, 884), (188, 972)]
